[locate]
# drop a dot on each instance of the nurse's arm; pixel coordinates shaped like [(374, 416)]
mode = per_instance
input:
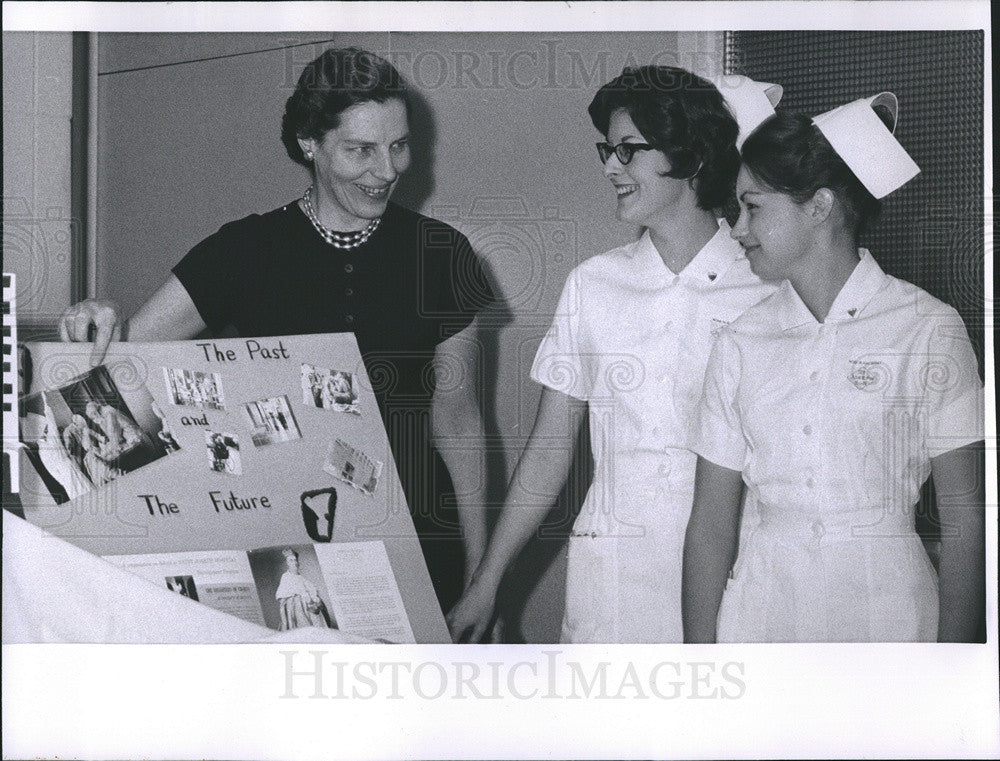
[(959, 486), (538, 478), (709, 547), (168, 315), (458, 434)]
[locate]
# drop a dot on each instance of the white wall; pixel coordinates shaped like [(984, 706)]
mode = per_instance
[(37, 229)]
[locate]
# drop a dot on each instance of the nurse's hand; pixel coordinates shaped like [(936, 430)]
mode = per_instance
[(101, 317), (472, 615)]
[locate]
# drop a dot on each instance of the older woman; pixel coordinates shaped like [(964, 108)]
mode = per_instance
[(341, 258), (629, 345)]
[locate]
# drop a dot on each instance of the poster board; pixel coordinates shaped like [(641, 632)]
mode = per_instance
[(246, 445)]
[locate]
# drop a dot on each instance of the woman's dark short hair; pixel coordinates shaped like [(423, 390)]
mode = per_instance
[(685, 117), (329, 85), (789, 154)]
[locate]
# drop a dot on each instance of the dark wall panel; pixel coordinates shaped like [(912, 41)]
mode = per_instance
[(931, 230)]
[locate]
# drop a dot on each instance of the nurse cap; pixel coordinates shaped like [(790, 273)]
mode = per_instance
[(866, 143), (751, 102)]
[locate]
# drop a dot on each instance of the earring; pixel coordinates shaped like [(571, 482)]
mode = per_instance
[(309, 155)]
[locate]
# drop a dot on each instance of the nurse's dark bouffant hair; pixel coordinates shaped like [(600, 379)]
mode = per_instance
[(329, 85), (789, 154), (685, 117)]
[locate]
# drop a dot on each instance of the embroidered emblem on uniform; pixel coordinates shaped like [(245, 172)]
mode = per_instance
[(717, 326), (867, 375)]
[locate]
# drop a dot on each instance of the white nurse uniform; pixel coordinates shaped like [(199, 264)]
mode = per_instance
[(632, 339), (834, 425)]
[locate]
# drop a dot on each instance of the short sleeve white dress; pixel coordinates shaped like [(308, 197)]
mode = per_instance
[(632, 339), (834, 425)]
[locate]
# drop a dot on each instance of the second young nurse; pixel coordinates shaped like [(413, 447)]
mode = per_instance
[(834, 400), (629, 344)]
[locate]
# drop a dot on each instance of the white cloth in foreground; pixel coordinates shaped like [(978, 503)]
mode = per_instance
[(632, 339), (833, 425), (55, 592)]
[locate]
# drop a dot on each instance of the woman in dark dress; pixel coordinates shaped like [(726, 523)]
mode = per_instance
[(344, 258)]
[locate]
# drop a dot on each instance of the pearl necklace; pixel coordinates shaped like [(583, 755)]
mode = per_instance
[(343, 241)]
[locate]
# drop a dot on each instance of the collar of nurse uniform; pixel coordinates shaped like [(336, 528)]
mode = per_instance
[(865, 281), (708, 265)]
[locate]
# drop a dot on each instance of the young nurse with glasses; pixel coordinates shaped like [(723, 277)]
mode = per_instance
[(629, 344), (833, 401)]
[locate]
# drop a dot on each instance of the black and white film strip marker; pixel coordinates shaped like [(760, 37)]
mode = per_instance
[(10, 419)]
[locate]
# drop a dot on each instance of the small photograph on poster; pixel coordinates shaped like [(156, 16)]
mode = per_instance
[(182, 585), (271, 421), (353, 466), (318, 508), (224, 452), (329, 389), (84, 434), (293, 593), (191, 388)]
